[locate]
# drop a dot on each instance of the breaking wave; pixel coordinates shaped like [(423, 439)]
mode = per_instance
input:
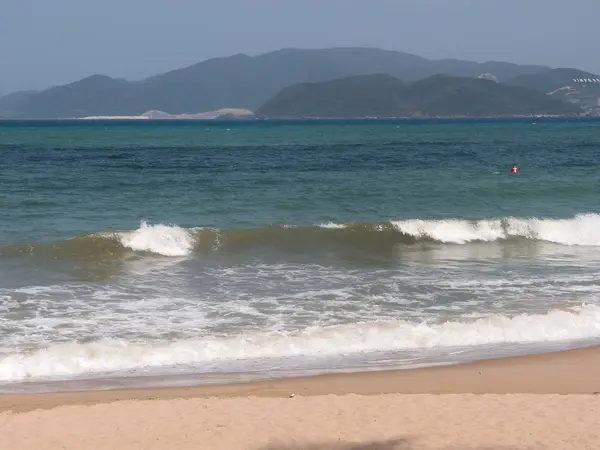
[(68, 360), (160, 239), (172, 240), (583, 229)]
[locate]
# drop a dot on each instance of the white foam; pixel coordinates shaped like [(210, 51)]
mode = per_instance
[(167, 240), (452, 230), (583, 229), (67, 360), (332, 225)]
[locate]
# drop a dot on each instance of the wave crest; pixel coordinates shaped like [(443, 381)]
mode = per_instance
[(166, 240), (175, 241), (583, 229)]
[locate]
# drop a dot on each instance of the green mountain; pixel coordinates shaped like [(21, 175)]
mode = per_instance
[(570, 85), (386, 96), (240, 81), (550, 80)]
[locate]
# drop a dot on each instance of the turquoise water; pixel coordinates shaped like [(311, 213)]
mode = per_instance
[(143, 248)]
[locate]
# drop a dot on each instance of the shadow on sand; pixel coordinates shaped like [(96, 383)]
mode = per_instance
[(393, 444)]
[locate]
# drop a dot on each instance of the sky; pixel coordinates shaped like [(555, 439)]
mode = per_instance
[(49, 42)]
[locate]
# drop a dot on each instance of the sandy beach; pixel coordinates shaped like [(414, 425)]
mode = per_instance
[(525, 402)]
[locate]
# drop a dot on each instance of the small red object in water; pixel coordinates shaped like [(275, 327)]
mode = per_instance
[(514, 169)]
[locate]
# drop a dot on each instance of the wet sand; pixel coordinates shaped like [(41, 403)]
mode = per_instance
[(525, 402)]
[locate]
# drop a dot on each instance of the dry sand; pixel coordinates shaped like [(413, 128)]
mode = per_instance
[(522, 407)]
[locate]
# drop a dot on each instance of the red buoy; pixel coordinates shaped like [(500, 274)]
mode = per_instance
[(514, 169)]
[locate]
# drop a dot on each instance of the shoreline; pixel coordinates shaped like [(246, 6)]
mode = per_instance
[(573, 371), (296, 119), (191, 379)]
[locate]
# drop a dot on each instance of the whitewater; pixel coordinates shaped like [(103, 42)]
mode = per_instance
[(147, 254), (264, 350), (125, 347)]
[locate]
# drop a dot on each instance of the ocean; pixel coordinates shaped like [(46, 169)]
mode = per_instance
[(188, 252)]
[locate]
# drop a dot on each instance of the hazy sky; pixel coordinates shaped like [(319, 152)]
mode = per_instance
[(48, 42)]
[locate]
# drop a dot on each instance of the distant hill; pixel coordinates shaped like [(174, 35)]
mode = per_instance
[(550, 80), (10, 104), (571, 85), (96, 95), (386, 96), (240, 81)]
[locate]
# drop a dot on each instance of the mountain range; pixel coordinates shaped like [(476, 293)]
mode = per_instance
[(246, 82)]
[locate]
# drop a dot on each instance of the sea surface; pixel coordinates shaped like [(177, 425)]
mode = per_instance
[(212, 251)]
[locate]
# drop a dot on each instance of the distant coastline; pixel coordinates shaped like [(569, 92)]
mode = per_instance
[(255, 118), (161, 115), (426, 117)]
